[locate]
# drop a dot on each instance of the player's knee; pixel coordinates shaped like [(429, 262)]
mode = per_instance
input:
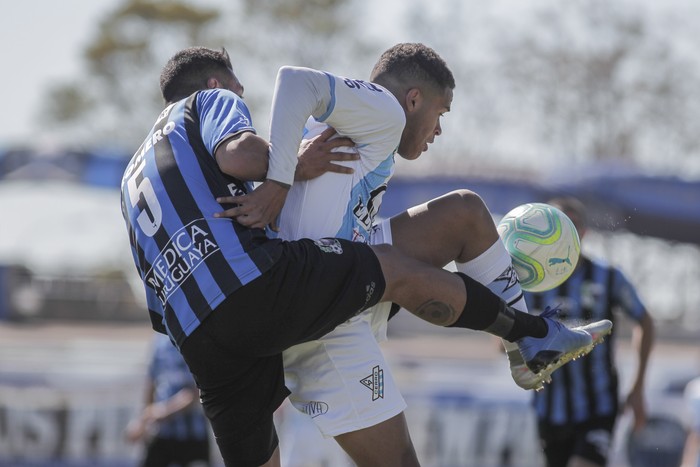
[(395, 266), (470, 212)]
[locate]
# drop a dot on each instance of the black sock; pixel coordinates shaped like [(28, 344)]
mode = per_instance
[(486, 311), (482, 308), (526, 325)]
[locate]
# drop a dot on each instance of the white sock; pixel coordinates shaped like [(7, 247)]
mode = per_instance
[(494, 269)]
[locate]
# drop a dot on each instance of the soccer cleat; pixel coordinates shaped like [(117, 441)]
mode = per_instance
[(522, 375), (545, 355), (598, 330)]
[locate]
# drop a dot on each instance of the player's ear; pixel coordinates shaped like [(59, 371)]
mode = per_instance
[(213, 83), (413, 99)]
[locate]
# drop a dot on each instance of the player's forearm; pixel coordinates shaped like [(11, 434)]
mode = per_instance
[(643, 339), (176, 404), (299, 93)]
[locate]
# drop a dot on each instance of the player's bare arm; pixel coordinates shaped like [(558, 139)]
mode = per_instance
[(316, 157), (243, 156)]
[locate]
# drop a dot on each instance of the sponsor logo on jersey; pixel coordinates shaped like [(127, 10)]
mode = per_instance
[(365, 213), (329, 245), (375, 382), (315, 408), (186, 250)]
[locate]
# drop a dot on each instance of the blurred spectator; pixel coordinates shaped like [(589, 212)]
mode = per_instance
[(172, 424), (577, 412)]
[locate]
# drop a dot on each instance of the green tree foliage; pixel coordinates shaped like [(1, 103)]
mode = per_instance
[(118, 96), (600, 84)]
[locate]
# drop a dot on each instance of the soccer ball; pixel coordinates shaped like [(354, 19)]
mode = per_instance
[(543, 243)]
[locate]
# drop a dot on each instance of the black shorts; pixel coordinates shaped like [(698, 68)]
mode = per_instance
[(590, 440), (235, 355)]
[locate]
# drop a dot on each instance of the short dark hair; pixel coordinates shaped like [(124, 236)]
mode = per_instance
[(189, 69), (407, 64)]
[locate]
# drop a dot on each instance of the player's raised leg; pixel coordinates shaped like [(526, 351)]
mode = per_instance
[(456, 300), (459, 227)]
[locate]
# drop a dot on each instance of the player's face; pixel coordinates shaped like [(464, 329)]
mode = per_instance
[(423, 123)]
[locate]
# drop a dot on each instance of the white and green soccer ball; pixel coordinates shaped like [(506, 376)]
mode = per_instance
[(543, 243)]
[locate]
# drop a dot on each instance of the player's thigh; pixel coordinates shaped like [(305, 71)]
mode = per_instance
[(342, 381), (386, 444), (457, 225), (239, 394)]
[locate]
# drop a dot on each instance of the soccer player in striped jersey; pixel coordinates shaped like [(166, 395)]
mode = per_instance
[(577, 412), (231, 298), (171, 425)]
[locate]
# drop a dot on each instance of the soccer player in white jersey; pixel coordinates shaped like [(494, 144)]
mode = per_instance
[(329, 378)]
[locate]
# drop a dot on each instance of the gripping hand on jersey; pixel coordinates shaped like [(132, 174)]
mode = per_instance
[(261, 207), (317, 156)]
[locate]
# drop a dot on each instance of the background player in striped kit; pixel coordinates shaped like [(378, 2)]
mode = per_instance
[(577, 412), (171, 425)]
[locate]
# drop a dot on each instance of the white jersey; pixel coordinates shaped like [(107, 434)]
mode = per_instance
[(342, 205), (342, 380)]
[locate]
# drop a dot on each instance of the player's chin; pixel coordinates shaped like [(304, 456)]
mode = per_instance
[(412, 155)]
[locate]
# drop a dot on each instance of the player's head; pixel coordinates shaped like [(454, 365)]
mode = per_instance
[(423, 85), (196, 68), (573, 208)]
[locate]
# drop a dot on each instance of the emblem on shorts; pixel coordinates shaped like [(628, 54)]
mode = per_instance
[(315, 408), (375, 382), (329, 245)]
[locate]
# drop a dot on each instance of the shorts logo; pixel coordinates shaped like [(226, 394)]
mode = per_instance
[(329, 245), (369, 289), (375, 382), (315, 408)]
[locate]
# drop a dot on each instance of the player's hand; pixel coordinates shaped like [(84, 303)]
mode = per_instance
[(259, 208), (136, 430), (316, 156)]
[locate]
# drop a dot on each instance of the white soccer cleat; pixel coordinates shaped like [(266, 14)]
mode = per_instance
[(545, 355), (598, 330), (522, 375)]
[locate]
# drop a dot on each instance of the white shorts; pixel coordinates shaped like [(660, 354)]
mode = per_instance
[(342, 380)]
